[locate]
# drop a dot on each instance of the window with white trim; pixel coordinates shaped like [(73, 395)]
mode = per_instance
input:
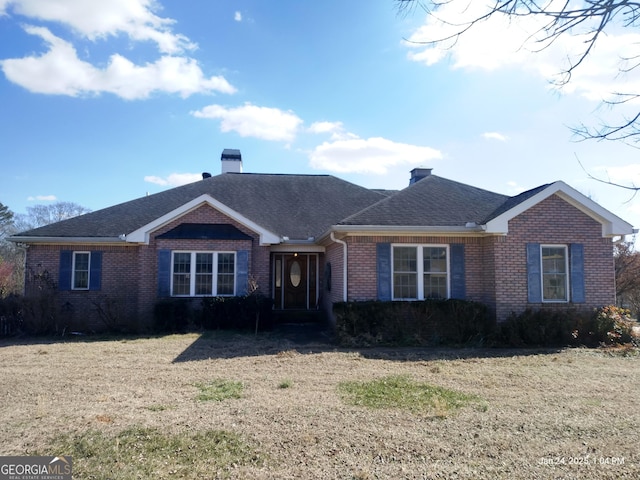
[(80, 270), (203, 274), (420, 272), (555, 273)]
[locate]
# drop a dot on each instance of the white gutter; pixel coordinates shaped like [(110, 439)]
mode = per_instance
[(67, 240), (472, 229), (344, 266)]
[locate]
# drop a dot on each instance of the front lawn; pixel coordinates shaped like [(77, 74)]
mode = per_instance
[(232, 406)]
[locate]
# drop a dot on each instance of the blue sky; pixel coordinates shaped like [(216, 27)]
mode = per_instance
[(105, 101)]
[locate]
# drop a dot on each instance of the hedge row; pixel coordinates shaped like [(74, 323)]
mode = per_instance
[(212, 313), (429, 322), (465, 323)]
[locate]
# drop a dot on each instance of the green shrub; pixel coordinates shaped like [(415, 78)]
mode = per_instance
[(172, 315), (239, 313), (429, 322), (567, 327), (615, 325)]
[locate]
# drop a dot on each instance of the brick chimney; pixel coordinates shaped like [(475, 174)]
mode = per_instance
[(418, 174), (231, 161)]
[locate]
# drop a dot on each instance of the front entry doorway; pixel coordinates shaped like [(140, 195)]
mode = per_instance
[(295, 285)]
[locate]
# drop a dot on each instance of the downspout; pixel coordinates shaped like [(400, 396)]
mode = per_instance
[(344, 266)]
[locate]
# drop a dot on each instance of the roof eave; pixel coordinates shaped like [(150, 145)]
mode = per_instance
[(390, 230), (32, 240), (612, 225)]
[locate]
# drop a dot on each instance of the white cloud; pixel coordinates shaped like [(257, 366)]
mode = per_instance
[(501, 41), (253, 121), (237, 16), (326, 127), (495, 136), (42, 198), (624, 175), (336, 129), (60, 71), (373, 155), (100, 19), (174, 179), (514, 188)]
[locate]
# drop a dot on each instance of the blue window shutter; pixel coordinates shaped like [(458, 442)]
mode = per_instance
[(242, 272), (95, 269), (383, 267), (66, 264), (164, 273), (576, 270), (458, 285), (534, 278)]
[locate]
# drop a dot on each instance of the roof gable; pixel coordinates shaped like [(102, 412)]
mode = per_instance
[(141, 235), (612, 225)]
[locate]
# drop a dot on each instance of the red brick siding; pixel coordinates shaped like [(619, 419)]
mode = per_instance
[(552, 221), (362, 275), (258, 255), (334, 256), (130, 273), (495, 266), (78, 308)]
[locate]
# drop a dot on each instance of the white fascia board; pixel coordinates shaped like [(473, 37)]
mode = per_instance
[(612, 225), (67, 240), (350, 230), (142, 234)]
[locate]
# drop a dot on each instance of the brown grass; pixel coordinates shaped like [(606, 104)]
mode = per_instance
[(546, 414)]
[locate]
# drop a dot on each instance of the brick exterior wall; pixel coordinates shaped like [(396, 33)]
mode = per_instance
[(78, 309), (130, 273), (362, 276), (495, 266), (551, 221)]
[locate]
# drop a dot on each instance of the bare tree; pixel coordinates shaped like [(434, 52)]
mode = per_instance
[(41, 215), (627, 267), (6, 219), (12, 255), (590, 19)]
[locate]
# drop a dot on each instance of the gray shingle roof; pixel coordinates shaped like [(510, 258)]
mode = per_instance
[(296, 206), (514, 201), (301, 206), (433, 201)]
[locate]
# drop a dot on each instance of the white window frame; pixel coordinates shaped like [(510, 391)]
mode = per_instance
[(192, 273), (420, 268), (566, 274), (73, 270)]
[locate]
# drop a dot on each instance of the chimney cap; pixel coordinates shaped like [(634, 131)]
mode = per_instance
[(418, 174), (231, 160), (231, 154), (206, 175)]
